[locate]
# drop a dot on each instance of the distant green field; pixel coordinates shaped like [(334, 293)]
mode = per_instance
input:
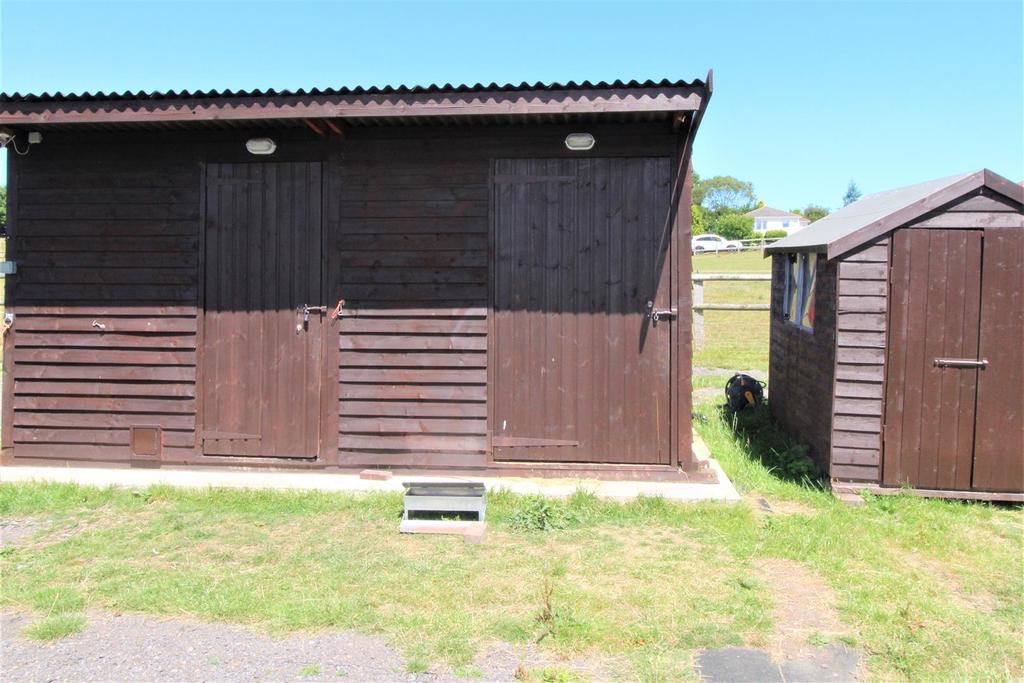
[(742, 262), (734, 340)]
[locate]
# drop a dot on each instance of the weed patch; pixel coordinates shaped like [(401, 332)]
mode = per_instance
[(537, 513), (55, 627)]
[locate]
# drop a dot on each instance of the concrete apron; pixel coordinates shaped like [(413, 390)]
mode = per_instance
[(723, 490)]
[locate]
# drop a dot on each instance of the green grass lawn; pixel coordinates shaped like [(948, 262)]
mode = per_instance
[(923, 588), (734, 340)]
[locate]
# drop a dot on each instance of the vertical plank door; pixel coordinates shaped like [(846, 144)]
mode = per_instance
[(260, 365), (934, 314), (580, 373), (999, 435)]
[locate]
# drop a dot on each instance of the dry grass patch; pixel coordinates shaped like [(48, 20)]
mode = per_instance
[(803, 608)]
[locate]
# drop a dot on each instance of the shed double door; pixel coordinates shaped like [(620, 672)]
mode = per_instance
[(260, 361), (580, 372), (956, 299)]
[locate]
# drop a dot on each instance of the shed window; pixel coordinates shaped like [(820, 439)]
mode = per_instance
[(799, 294), (792, 293)]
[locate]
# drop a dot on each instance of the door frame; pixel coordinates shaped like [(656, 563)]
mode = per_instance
[(673, 285), (326, 455)]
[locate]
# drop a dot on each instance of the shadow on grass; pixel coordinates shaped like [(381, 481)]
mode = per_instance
[(764, 440)]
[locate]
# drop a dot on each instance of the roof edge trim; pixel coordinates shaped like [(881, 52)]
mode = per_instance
[(905, 215), (653, 98)]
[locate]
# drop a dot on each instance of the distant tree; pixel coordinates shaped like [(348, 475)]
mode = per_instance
[(852, 194), (731, 225), (813, 212), (3, 209), (697, 216), (724, 193)]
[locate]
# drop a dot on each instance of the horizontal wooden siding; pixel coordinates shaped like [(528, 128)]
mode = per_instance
[(105, 300), (411, 263), (861, 315)]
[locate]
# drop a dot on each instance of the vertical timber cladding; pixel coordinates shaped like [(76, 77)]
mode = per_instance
[(105, 334), (261, 360), (999, 433), (581, 373), (935, 313)]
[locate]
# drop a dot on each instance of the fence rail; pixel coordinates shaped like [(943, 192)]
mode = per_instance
[(759, 242), (745, 245), (698, 299)]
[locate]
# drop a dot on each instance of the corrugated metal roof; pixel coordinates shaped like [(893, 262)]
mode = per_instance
[(886, 210), (360, 90)]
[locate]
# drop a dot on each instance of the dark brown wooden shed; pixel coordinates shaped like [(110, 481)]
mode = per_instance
[(461, 278), (897, 339)]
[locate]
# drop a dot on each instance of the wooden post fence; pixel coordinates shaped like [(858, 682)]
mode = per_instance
[(699, 306)]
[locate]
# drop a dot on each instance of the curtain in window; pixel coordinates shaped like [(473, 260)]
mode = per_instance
[(809, 263), (792, 287)]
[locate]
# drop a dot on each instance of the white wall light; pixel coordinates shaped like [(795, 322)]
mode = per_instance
[(260, 146), (579, 142)]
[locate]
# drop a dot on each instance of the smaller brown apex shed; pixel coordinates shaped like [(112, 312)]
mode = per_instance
[(897, 338)]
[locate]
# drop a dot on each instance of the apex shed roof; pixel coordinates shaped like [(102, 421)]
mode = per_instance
[(881, 212), (647, 100)]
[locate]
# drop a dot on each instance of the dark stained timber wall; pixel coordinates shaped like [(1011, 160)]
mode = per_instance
[(106, 306), (109, 237), (801, 362), (411, 243)]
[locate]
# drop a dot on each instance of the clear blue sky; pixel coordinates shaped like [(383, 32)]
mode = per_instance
[(807, 96)]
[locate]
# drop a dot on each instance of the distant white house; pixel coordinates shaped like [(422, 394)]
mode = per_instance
[(766, 218)]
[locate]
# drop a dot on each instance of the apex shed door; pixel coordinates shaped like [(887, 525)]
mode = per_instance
[(580, 373), (934, 313), (999, 435), (260, 372)]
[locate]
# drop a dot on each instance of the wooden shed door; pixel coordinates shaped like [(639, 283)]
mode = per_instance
[(999, 434), (260, 364), (934, 314), (580, 373)]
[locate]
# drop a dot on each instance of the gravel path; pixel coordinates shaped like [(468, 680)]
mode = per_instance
[(128, 647), (138, 648)]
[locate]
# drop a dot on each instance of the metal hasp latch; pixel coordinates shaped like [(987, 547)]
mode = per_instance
[(305, 309), (661, 314), (961, 363), (440, 498)]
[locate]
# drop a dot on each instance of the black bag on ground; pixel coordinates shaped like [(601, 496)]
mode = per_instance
[(743, 391)]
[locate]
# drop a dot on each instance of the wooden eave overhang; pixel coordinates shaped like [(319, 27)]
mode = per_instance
[(648, 99)]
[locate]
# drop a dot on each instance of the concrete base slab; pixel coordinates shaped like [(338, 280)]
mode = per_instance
[(739, 664), (473, 532), (722, 490)]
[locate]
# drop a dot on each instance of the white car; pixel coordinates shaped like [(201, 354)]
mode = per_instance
[(702, 243)]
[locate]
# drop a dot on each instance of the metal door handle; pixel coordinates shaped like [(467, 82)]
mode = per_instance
[(666, 314), (961, 363)]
